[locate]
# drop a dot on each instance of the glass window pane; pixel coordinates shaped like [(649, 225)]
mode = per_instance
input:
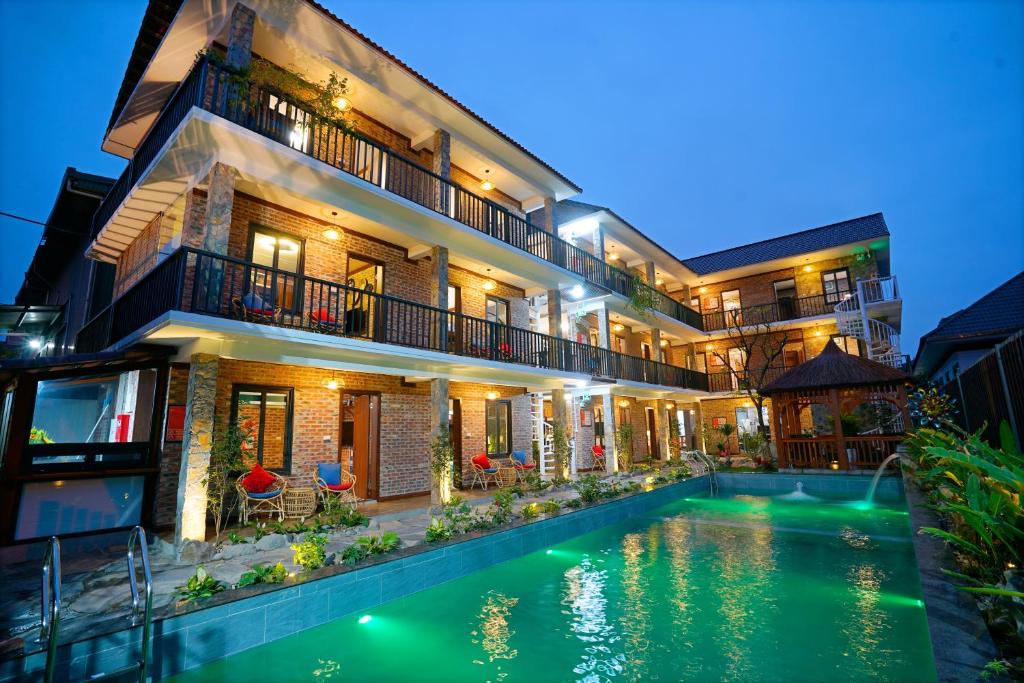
[(61, 507), (108, 409), (288, 254), (263, 248), (275, 431)]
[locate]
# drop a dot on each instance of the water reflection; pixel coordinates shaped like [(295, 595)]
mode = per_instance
[(866, 626), (636, 611), (494, 628), (586, 601)]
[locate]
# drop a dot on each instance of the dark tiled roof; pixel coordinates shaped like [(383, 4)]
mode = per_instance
[(815, 239), (160, 13), (1001, 310), (834, 367)]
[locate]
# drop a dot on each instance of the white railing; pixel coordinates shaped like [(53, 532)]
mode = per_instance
[(881, 340), (878, 289)]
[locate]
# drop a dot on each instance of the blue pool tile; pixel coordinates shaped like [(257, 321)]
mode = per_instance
[(263, 600), (288, 617), (477, 555), (357, 596), (508, 549), (222, 637)]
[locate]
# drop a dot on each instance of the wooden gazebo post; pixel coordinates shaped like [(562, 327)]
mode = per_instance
[(837, 429), (780, 445)]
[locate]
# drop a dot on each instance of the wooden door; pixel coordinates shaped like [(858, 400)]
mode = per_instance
[(365, 445), (652, 434)]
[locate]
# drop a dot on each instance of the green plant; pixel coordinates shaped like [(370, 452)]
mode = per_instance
[(263, 573), (533, 480), (530, 511), (550, 507), (674, 440), (225, 463), (277, 527), (573, 503), (442, 455), (437, 530), (300, 527), (37, 435), (560, 446), (236, 539), (624, 446), (311, 553), (589, 488), (850, 424), (365, 546), (259, 530), (535, 450), (200, 586), (642, 297), (501, 508)]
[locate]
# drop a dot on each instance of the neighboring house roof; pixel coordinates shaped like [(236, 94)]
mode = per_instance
[(793, 244), (990, 319), (160, 14), (832, 368), (69, 223)]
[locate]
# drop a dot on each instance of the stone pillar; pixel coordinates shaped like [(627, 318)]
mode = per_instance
[(649, 276), (549, 215), (220, 198), (441, 164), (698, 427), (190, 517), (555, 327), (439, 291), (239, 50), (664, 433), (611, 451), (560, 418), (604, 328), (440, 487)]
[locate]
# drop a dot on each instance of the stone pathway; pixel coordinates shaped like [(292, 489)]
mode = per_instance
[(96, 593)]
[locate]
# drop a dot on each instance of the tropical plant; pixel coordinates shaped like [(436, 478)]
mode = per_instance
[(573, 503), (675, 446), (365, 546), (263, 573), (311, 553), (642, 297), (530, 511), (200, 586), (236, 539), (624, 446), (589, 488), (437, 530), (550, 507), (500, 508), (560, 445), (225, 463)]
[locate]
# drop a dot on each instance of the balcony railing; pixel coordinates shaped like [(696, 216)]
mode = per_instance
[(280, 117), (780, 311), (727, 381), (202, 282)]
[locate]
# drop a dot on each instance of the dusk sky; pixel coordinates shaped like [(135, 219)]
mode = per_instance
[(707, 125)]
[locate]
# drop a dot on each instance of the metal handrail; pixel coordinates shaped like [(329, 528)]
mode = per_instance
[(138, 538), (49, 620)]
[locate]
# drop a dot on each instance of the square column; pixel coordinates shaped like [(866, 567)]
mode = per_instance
[(598, 239), (239, 50), (611, 451), (190, 516), (440, 486), (439, 291), (662, 424), (441, 165)]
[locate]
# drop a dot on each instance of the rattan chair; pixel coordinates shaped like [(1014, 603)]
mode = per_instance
[(345, 492), (270, 501)]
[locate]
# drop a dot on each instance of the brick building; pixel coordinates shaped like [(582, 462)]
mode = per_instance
[(352, 270)]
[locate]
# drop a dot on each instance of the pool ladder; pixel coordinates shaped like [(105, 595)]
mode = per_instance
[(141, 611), (708, 465)]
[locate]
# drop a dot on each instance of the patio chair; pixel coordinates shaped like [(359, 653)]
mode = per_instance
[(253, 308), (334, 483), (597, 450), (520, 465), (484, 472), (321, 320), (260, 491)]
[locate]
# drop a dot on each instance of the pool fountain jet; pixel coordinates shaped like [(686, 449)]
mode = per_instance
[(799, 494), (870, 497)]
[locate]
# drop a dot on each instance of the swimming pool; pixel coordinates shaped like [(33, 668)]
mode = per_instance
[(735, 587)]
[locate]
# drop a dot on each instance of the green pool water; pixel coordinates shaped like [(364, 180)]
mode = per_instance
[(731, 588)]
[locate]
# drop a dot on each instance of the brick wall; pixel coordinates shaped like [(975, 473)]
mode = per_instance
[(473, 401), (726, 407)]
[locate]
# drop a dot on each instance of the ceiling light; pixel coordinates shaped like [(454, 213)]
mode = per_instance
[(35, 344), (486, 185), (659, 282), (489, 285), (613, 257), (702, 290), (576, 291), (670, 406), (663, 342), (332, 384), (333, 233)]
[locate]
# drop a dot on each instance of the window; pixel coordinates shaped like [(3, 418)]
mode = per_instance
[(835, 284), (116, 408), (785, 299), (265, 413), (269, 289), (618, 344), (746, 420), (849, 344), (497, 310), (454, 299), (599, 425), (695, 304), (499, 428)]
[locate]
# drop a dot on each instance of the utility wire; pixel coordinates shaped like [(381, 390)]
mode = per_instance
[(48, 226)]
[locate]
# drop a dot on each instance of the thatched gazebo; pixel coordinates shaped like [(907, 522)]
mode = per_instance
[(838, 411)]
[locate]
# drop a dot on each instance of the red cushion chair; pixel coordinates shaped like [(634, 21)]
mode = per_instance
[(340, 487), (482, 461), (257, 480), (322, 316)]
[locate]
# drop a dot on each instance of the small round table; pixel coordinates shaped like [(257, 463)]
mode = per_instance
[(299, 502)]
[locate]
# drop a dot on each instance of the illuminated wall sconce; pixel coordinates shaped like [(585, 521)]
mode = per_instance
[(659, 282), (618, 327), (486, 185), (670, 406), (808, 269), (343, 103), (576, 292), (613, 257), (834, 465), (624, 403), (702, 290), (817, 333), (489, 285), (492, 395), (663, 342)]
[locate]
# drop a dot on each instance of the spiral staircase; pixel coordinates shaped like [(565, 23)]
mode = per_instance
[(881, 340)]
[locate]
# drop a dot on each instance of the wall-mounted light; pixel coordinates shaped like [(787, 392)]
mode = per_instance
[(613, 257), (663, 342), (702, 290), (623, 403), (670, 406), (817, 333), (659, 282), (35, 344), (343, 103), (486, 185), (808, 269), (576, 292), (492, 395), (488, 285), (618, 327)]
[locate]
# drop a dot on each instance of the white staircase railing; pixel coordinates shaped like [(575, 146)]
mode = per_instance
[(881, 340), (543, 434)]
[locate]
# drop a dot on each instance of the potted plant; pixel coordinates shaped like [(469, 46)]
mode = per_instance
[(726, 430)]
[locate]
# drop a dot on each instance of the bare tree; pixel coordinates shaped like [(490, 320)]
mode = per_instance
[(761, 347)]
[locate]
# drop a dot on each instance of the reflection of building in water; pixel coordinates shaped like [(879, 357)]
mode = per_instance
[(865, 625), (494, 626), (636, 612), (585, 598)]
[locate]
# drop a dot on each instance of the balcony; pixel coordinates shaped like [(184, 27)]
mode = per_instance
[(727, 382), (781, 311), (201, 282), (279, 117)]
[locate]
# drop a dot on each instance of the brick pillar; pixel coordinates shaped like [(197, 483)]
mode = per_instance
[(190, 517), (611, 451), (239, 51), (440, 487), (649, 276), (549, 214), (441, 164), (664, 433)]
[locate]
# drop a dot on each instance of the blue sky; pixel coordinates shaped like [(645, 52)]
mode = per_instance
[(706, 125)]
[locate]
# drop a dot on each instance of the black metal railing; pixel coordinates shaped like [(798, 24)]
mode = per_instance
[(278, 116), (202, 282), (780, 311), (729, 381)]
